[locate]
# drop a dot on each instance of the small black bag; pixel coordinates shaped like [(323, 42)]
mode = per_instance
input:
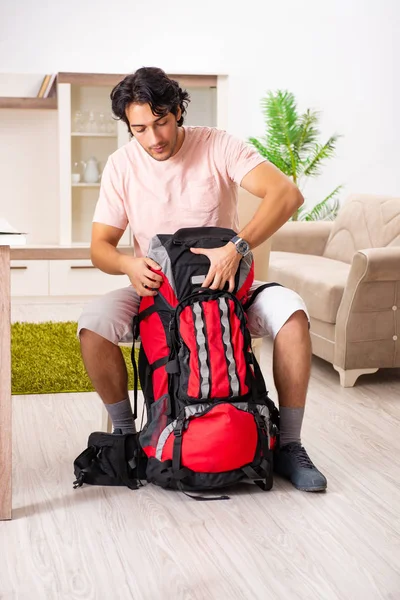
[(111, 459)]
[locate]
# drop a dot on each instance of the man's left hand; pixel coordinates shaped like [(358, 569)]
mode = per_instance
[(223, 266)]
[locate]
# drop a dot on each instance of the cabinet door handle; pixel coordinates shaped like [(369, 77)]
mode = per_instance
[(82, 267), (18, 268)]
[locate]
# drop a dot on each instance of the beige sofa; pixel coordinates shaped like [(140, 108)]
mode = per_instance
[(348, 273)]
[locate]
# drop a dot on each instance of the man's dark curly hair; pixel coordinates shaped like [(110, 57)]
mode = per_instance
[(149, 85)]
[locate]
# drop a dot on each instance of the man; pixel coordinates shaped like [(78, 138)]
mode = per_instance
[(168, 177)]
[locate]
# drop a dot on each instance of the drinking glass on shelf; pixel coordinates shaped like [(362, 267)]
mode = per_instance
[(92, 126), (76, 172), (102, 123), (111, 125), (85, 120), (78, 122)]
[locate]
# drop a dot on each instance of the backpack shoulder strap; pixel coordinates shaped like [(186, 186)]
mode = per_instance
[(257, 291)]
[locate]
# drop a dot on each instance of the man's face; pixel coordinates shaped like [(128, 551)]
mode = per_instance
[(157, 135)]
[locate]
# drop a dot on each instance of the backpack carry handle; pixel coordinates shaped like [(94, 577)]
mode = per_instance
[(188, 236)]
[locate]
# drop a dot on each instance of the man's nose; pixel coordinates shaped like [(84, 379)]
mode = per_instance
[(154, 139)]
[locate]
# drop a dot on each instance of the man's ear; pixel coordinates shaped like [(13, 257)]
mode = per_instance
[(178, 114)]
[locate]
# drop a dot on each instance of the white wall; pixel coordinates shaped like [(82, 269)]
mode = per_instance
[(338, 57), (29, 195)]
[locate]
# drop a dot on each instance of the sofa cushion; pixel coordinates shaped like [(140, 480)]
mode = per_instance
[(320, 281), (364, 221)]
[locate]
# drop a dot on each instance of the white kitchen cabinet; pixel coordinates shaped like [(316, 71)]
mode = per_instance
[(81, 278), (29, 277)]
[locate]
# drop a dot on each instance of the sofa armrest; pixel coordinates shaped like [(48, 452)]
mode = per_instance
[(379, 264), (368, 321), (302, 237)]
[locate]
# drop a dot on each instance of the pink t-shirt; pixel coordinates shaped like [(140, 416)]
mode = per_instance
[(197, 187)]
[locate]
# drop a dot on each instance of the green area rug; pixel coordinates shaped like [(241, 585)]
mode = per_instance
[(46, 359)]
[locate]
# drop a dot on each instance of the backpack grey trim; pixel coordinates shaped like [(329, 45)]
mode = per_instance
[(196, 409), (245, 266), (159, 253), (226, 338), (201, 343)]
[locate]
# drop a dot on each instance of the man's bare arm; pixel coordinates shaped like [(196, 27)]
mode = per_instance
[(103, 249), (107, 258), (281, 198)]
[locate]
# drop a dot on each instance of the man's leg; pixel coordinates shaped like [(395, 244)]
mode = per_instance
[(292, 360), (281, 313), (291, 367), (103, 324)]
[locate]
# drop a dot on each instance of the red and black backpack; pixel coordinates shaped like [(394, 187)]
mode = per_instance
[(210, 422)]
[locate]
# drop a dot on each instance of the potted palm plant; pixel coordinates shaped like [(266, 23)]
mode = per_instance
[(291, 144)]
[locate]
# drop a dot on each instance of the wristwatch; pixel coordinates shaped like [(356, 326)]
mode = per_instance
[(242, 247)]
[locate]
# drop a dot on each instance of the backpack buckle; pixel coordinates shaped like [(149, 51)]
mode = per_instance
[(260, 423), (179, 427)]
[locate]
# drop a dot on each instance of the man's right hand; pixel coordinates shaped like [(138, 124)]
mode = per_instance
[(105, 256), (145, 281)]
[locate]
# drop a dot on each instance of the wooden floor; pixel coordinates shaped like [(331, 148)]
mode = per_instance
[(151, 544)]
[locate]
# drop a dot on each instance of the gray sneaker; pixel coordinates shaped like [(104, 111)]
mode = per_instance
[(292, 462)]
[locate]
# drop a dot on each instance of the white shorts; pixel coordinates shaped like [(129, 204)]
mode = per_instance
[(111, 315)]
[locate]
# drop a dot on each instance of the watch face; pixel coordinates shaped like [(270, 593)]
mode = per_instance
[(243, 247)]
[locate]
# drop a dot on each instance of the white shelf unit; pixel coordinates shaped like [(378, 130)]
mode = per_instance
[(78, 200), (91, 92)]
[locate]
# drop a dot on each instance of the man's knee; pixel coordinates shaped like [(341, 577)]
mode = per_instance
[(93, 323), (103, 327), (274, 308), (87, 335), (89, 322), (298, 319), (296, 327), (110, 316)]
